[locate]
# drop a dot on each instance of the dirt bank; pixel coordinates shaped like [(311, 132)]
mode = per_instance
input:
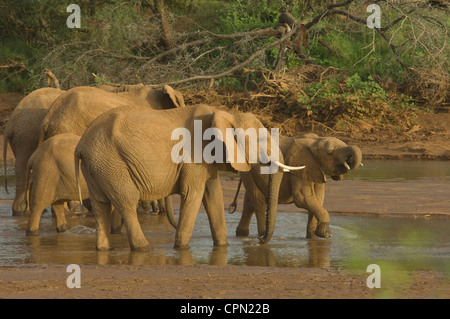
[(198, 282)]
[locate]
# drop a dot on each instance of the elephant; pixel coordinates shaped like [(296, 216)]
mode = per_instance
[(50, 180), (22, 134), (131, 153), (306, 188), (73, 111)]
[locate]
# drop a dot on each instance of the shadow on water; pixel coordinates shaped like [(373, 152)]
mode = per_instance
[(411, 244)]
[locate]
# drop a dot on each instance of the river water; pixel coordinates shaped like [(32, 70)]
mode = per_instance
[(405, 243)]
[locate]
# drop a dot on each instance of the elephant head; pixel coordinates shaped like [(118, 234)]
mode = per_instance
[(324, 156), (256, 146)]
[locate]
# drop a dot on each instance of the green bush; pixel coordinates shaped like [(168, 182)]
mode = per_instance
[(349, 96)]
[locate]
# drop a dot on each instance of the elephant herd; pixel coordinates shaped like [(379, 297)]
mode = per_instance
[(112, 150)]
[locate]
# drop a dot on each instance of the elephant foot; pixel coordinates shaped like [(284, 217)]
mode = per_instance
[(16, 213), (323, 230), (62, 228), (181, 247), (221, 244), (32, 232), (311, 235), (241, 232), (116, 230), (145, 248), (103, 248)]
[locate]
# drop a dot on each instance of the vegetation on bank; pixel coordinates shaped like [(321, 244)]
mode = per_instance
[(386, 75)]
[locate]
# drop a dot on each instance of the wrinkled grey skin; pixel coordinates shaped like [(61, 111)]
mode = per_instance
[(125, 155), (306, 188), (22, 134)]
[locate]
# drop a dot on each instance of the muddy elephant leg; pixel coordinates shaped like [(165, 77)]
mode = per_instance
[(213, 202), (243, 227), (136, 238), (311, 226), (19, 206), (116, 222), (61, 222), (102, 213), (162, 205), (191, 199), (34, 219), (319, 190)]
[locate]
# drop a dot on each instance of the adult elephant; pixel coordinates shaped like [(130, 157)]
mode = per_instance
[(131, 153), (73, 111), (22, 134), (306, 188)]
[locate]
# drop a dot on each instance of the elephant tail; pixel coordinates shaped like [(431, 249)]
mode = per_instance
[(77, 178), (233, 205), (5, 150), (169, 211)]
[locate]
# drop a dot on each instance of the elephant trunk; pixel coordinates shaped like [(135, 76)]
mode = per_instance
[(354, 156), (271, 214)]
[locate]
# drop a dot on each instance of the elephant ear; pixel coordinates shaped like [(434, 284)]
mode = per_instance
[(175, 97), (222, 120), (299, 154)]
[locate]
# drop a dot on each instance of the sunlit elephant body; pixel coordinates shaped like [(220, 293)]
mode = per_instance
[(73, 111), (22, 134), (51, 180), (306, 188), (126, 154)]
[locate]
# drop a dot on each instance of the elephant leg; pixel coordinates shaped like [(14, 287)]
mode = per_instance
[(136, 238), (34, 219), (319, 190), (61, 222), (116, 222), (213, 202), (19, 206), (74, 207), (191, 199), (102, 213), (162, 205), (155, 208), (313, 204), (311, 226), (246, 217)]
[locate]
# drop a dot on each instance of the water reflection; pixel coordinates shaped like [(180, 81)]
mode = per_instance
[(357, 241)]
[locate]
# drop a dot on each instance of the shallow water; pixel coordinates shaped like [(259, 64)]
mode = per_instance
[(405, 243)]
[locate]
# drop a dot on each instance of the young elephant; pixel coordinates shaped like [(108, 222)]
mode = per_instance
[(51, 177), (306, 188), (128, 153)]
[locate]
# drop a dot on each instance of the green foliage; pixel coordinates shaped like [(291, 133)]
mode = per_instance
[(351, 96)]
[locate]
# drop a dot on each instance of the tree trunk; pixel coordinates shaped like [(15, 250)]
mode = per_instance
[(166, 32)]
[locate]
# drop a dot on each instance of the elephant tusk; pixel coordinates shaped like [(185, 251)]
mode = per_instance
[(361, 164), (287, 168), (346, 166)]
